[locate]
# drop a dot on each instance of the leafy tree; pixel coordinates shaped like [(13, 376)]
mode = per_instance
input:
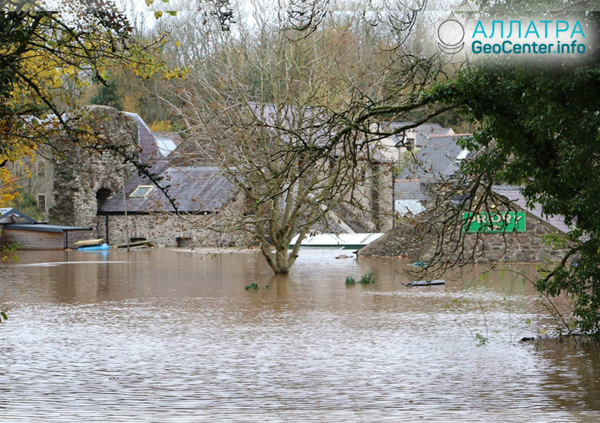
[(27, 203), (46, 56), (540, 128), (109, 95)]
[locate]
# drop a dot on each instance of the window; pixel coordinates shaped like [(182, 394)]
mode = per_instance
[(141, 191), (41, 201), (41, 167)]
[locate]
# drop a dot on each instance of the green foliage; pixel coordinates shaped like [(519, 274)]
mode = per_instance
[(9, 252), (481, 339), (350, 280), (108, 95), (27, 204), (367, 278), (3, 316), (538, 127), (252, 287)]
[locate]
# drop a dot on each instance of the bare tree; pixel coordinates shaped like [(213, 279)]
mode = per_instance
[(288, 119)]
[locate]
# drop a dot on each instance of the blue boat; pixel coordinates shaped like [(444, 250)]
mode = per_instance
[(103, 247)]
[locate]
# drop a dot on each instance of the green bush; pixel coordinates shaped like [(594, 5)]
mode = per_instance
[(367, 278), (252, 286)]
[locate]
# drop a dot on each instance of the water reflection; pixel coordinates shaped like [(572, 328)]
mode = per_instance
[(168, 336)]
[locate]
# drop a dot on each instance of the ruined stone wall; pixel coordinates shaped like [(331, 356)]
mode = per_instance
[(79, 175), (164, 229)]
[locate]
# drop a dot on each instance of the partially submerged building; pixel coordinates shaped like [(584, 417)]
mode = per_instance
[(18, 229), (195, 198), (510, 231)]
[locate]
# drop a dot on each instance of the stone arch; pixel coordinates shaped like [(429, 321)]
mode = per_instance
[(102, 195), (85, 179)]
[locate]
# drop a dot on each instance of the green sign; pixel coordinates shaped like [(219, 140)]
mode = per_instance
[(492, 223)]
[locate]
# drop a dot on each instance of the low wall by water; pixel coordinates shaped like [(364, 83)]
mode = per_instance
[(162, 230)]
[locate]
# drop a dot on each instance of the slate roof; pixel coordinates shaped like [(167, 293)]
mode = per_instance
[(513, 193), (438, 157), (409, 190), (309, 122), (149, 152), (422, 132), (196, 189)]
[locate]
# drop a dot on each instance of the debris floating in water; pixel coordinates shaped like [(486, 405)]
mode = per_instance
[(420, 264), (427, 283)]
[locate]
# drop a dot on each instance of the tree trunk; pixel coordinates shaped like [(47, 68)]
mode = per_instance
[(282, 260)]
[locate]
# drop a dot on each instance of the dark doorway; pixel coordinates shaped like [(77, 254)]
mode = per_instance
[(102, 195)]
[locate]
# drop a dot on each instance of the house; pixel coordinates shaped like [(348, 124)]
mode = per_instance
[(17, 228), (69, 184), (436, 161), (395, 146), (144, 211), (81, 193)]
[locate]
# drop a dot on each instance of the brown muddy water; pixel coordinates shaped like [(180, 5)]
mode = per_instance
[(167, 336)]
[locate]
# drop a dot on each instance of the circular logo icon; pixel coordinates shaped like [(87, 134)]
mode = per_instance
[(451, 34)]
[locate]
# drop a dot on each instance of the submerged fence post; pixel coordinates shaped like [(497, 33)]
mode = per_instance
[(126, 217)]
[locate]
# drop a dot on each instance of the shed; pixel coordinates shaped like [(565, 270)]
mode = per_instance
[(18, 228)]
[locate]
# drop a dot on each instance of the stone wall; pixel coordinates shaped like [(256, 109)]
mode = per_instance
[(528, 247), (163, 229), (80, 177)]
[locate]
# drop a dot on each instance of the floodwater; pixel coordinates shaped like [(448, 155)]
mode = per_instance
[(168, 336)]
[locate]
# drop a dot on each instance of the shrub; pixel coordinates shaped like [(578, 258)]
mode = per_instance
[(367, 278)]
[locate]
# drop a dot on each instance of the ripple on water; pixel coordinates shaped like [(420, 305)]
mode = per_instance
[(178, 339)]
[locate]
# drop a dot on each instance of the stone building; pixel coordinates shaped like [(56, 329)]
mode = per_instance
[(393, 147), (438, 159), (34, 177), (68, 182), (145, 212), (84, 189), (83, 180), (437, 164)]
